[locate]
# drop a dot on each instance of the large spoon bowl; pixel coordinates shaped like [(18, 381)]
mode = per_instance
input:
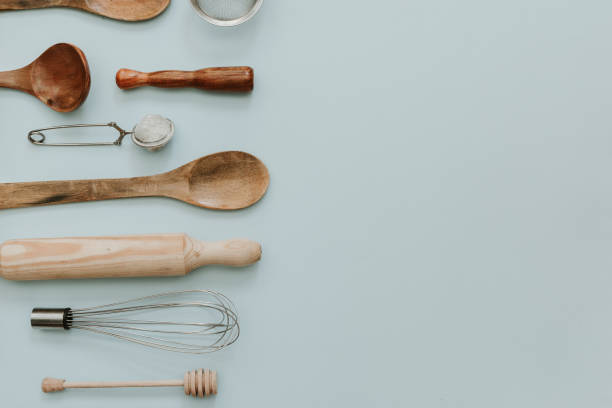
[(126, 10), (226, 181)]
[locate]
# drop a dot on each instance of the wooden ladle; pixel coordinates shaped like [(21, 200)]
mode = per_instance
[(220, 181), (59, 78), (126, 10)]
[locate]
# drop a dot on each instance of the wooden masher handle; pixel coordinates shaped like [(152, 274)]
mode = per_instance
[(229, 79)]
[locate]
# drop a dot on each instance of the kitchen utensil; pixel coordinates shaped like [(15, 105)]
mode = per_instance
[(190, 321), (229, 79), (226, 13), (153, 132), (223, 181), (59, 78), (197, 383), (119, 257), (126, 10)]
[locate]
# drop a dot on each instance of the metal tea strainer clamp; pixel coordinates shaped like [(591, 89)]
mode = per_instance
[(226, 13), (153, 132)]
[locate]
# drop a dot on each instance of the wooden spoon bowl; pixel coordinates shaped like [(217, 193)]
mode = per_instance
[(59, 78), (125, 10), (225, 181)]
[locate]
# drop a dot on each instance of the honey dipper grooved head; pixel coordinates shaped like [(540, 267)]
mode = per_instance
[(200, 383), (53, 385)]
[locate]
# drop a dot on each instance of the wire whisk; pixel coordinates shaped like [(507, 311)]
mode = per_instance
[(209, 322)]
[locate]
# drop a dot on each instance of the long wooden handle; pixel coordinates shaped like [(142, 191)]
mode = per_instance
[(232, 79), (34, 4), (119, 257), (17, 195), (57, 384)]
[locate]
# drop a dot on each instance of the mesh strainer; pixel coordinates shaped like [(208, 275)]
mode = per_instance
[(226, 13)]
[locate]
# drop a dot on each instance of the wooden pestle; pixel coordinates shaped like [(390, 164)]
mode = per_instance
[(119, 257), (228, 79)]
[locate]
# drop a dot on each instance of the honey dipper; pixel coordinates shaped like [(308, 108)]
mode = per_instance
[(197, 383)]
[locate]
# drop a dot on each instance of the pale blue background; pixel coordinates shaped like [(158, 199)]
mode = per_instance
[(438, 229)]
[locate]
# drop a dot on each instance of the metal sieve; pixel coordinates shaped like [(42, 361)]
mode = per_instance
[(226, 13), (153, 132)]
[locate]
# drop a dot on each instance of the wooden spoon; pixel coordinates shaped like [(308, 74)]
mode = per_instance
[(126, 10), (220, 181), (59, 78)]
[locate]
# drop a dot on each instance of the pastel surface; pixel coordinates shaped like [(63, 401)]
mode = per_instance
[(438, 227)]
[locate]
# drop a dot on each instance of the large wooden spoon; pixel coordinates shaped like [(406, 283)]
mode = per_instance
[(220, 181), (59, 78), (126, 10)]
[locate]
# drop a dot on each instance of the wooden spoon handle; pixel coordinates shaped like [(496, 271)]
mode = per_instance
[(35, 4), (17, 195), (119, 257), (18, 79), (233, 79)]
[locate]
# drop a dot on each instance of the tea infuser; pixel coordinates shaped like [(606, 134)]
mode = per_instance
[(197, 383), (210, 321), (152, 132), (226, 13)]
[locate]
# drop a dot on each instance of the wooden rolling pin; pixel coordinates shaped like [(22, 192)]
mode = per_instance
[(228, 79), (119, 257)]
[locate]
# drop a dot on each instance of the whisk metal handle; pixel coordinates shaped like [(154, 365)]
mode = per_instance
[(51, 317)]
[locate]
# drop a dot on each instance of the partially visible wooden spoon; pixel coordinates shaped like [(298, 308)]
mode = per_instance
[(59, 78), (220, 181), (126, 10)]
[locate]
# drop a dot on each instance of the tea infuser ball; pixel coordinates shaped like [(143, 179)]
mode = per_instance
[(153, 132), (226, 13)]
